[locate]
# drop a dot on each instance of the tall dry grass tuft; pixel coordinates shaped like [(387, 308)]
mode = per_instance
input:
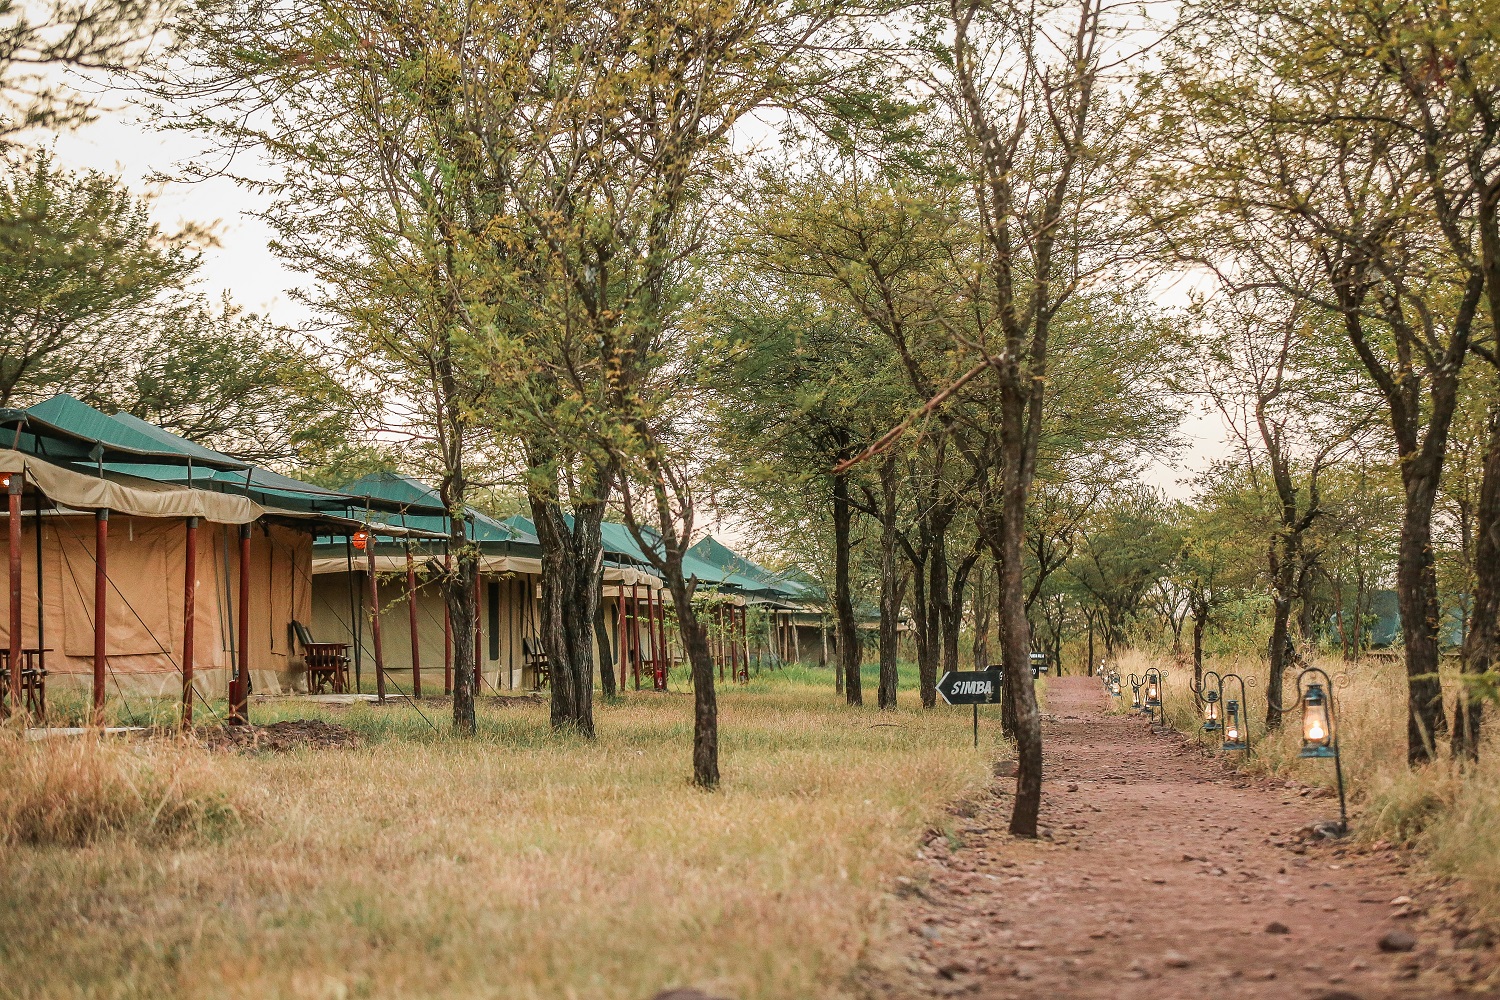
[(74, 791)]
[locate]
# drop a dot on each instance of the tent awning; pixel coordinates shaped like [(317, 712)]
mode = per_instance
[(143, 499)]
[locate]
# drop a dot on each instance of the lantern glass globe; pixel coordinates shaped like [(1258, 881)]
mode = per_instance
[(1317, 724)]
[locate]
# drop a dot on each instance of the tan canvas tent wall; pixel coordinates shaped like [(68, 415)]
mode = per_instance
[(508, 611), (144, 630)]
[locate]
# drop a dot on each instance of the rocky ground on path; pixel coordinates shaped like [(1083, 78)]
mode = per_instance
[(1163, 875)]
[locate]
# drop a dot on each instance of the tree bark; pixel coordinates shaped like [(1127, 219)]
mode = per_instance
[(572, 580), (890, 586), (1283, 559), (981, 607), (1417, 599), (606, 653), (1480, 643), (846, 628)]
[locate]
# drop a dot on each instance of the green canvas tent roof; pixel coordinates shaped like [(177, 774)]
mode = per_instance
[(65, 429), (424, 509), (121, 430), (745, 574), (127, 445)]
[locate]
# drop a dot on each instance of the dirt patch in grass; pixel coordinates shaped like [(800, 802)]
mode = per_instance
[(280, 737)]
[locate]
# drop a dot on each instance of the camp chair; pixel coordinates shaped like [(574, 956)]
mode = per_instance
[(327, 662), (33, 680), (536, 659)]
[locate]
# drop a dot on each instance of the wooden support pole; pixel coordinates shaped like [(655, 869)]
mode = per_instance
[(101, 608), (375, 618), (447, 625), (620, 631), (719, 638), (411, 605), (189, 616), (663, 662), (635, 633), (15, 483), (732, 638), (239, 690)]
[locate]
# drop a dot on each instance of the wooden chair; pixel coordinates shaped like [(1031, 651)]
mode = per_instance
[(536, 659), (33, 680), (327, 662)]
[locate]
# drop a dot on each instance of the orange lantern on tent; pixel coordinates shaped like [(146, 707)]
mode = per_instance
[(360, 539)]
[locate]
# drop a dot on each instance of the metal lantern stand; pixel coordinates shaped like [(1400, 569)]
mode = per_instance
[(1320, 738)]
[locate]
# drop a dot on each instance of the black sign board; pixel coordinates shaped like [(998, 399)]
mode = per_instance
[(970, 687)]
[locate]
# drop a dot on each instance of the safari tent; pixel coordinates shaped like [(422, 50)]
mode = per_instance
[(510, 654), (137, 559)]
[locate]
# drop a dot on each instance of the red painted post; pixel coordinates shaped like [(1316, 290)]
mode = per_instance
[(189, 612), (662, 661), (447, 626), (375, 619), (239, 691), (411, 604), (15, 483), (101, 607), (620, 630), (635, 633)]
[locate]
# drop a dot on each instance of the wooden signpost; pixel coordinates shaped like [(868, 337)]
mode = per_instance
[(971, 687)]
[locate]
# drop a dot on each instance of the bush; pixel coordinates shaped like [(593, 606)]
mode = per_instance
[(74, 791)]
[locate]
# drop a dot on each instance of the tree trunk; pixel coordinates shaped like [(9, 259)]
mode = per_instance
[(1200, 624), (926, 647), (1020, 688), (1282, 566), (705, 700), (890, 586), (1417, 598), (1090, 617), (458, 592), (572, 578), (1480, 643), (847, 630), (981, 606), (606, 653)]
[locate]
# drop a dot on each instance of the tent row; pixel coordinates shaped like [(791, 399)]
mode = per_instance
[(142, 565)]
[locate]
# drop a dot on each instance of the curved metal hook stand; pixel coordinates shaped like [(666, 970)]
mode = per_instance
[(1235, 708), (1333, 733)]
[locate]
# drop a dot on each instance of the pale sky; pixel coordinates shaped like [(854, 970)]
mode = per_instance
[(123, 141)]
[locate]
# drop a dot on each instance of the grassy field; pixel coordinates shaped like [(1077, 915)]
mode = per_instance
[(516, 865), (1450, 815)]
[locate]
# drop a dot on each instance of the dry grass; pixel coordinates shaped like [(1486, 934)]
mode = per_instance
[(520, 865), (77, 791), (1450, 816)]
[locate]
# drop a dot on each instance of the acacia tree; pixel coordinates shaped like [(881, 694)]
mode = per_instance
[(370, 113), (1041, 186), (642, 124), (791, 398), (81, 266), (1355, 132), (38, 40), (1293, 408)]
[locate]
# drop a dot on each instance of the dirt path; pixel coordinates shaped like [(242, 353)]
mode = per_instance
[(1165, 877)]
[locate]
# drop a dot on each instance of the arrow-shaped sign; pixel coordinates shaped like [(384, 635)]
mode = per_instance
[(970, 687)]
